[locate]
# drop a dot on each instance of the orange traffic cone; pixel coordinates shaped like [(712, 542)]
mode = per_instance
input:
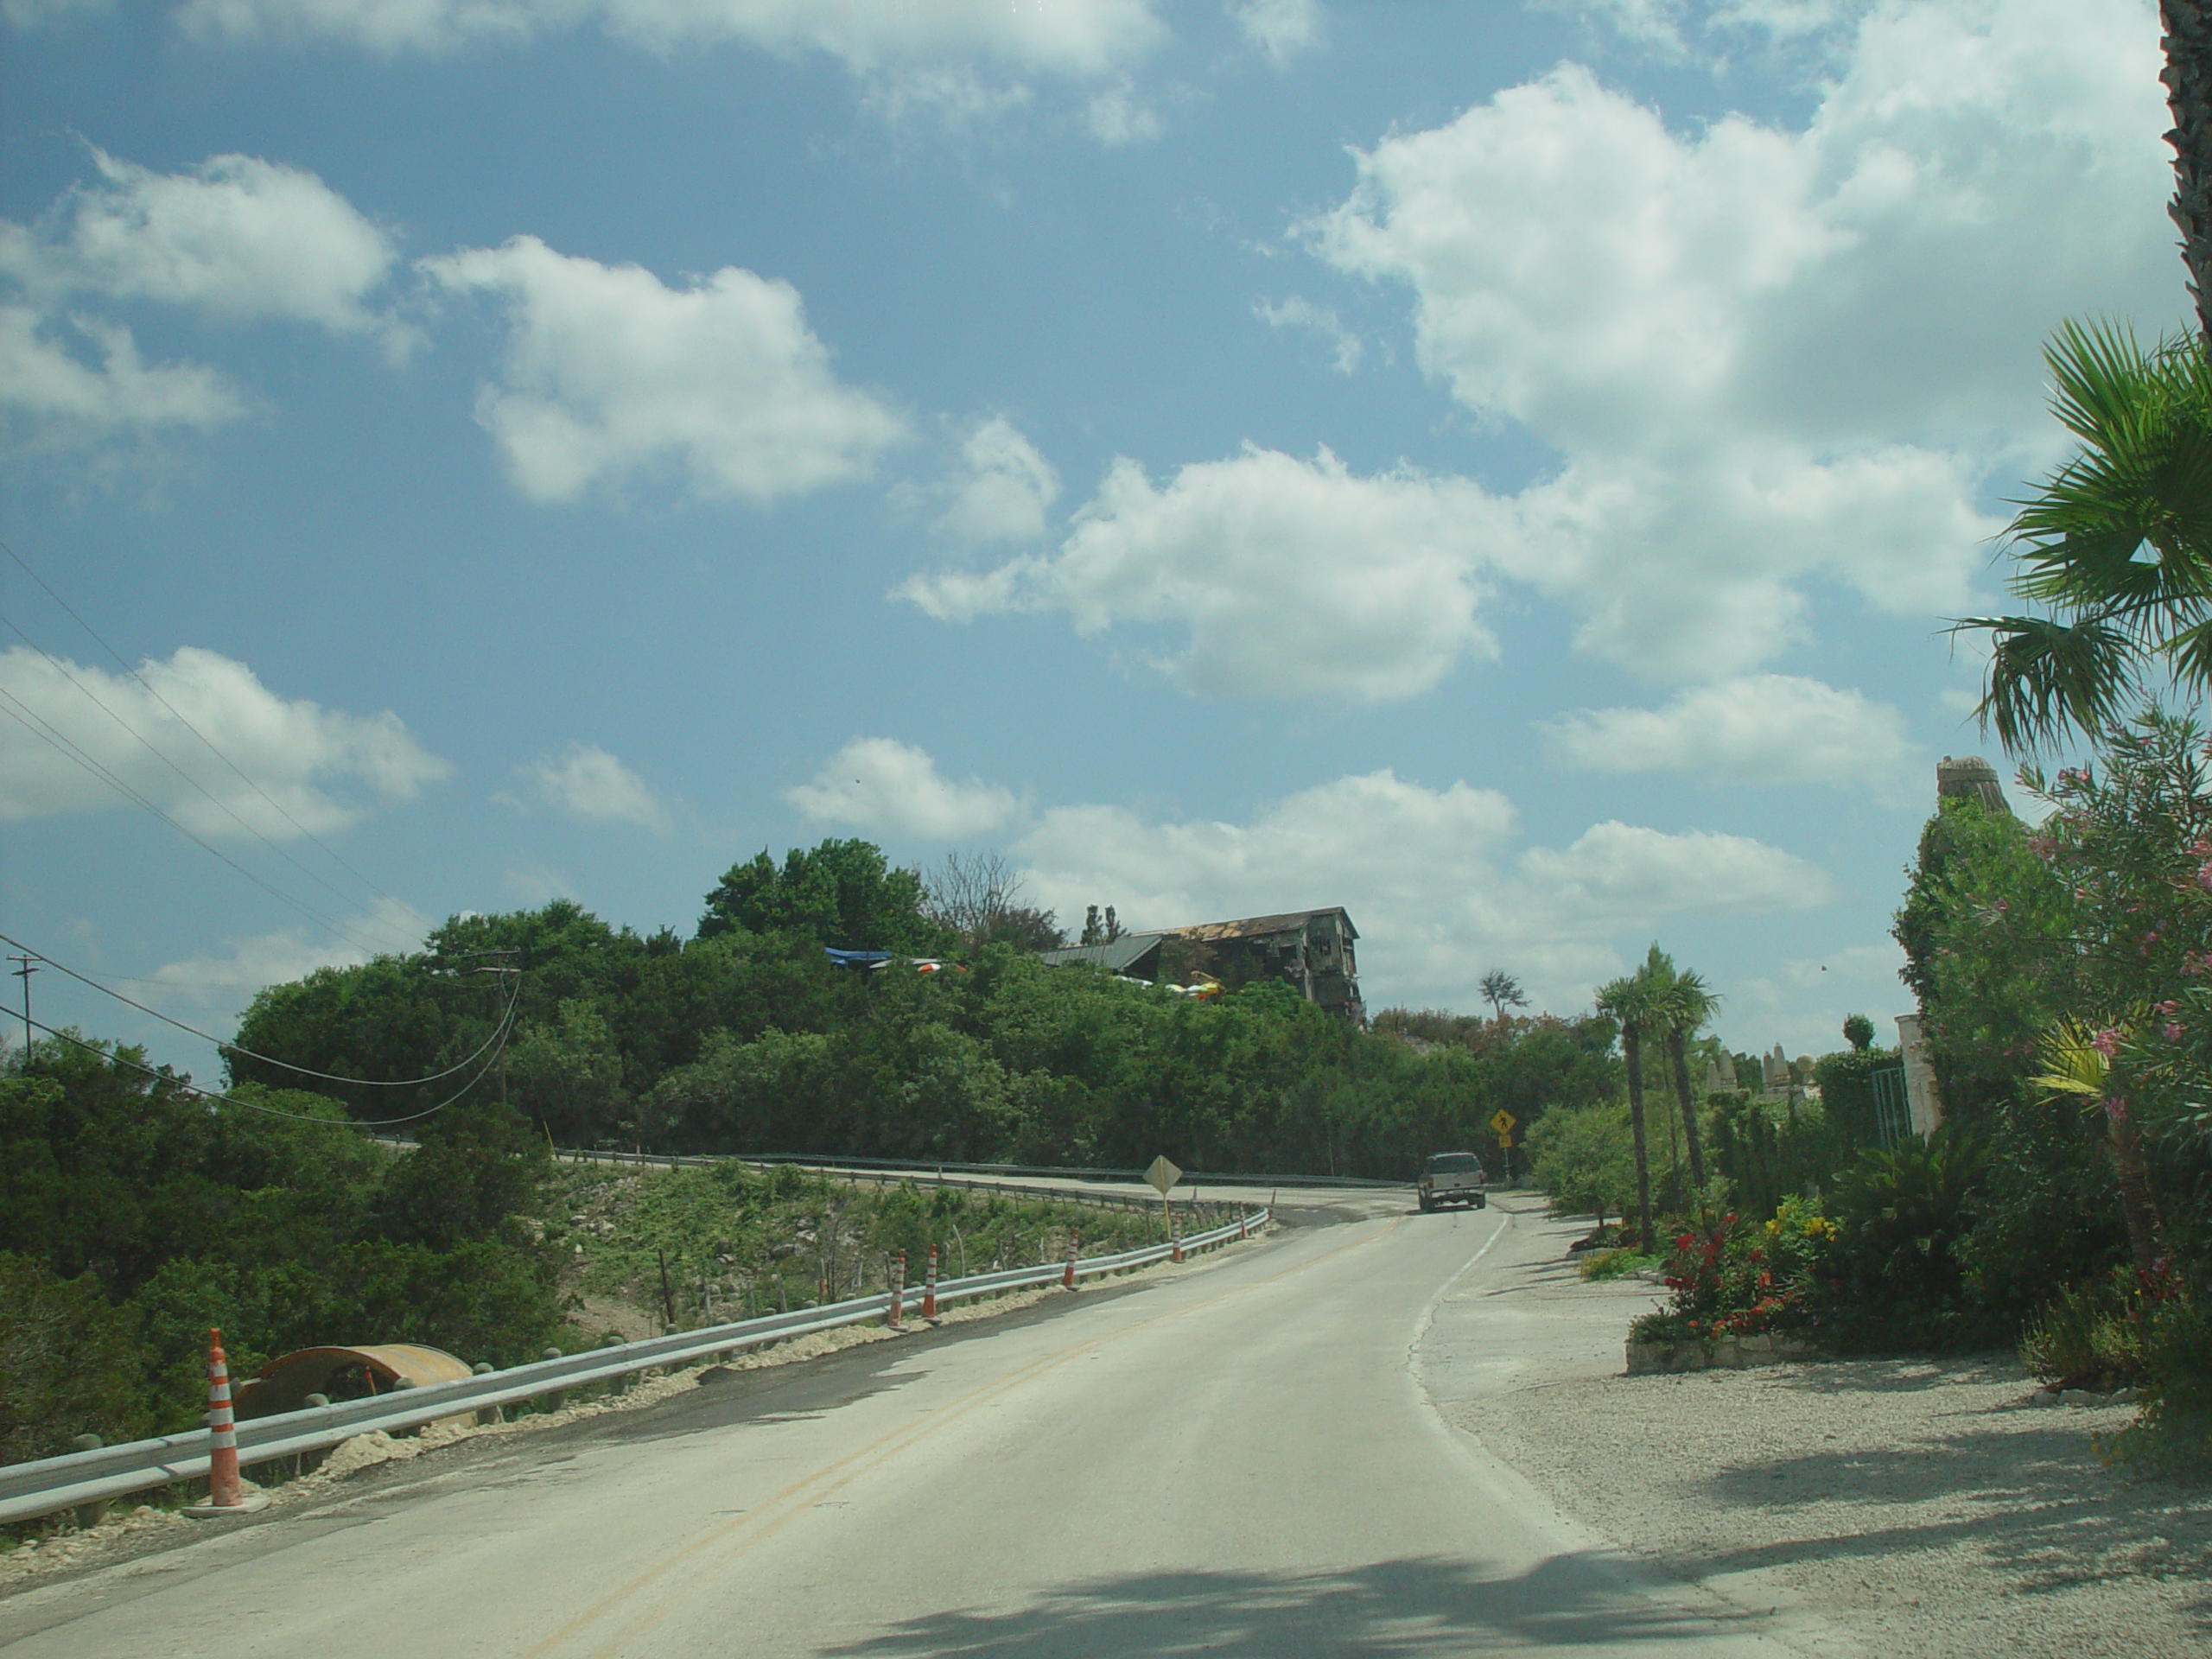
[(227, 1493)]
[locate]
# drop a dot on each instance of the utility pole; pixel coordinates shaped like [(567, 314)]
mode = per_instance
[(26, 966), (501, 976)]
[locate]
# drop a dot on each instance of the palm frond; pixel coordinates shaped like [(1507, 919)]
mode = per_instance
[(2099, 379), (2047, 677), (2071, 1065)]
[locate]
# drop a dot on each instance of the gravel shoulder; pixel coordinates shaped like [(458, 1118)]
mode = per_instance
[(1903, 1506)]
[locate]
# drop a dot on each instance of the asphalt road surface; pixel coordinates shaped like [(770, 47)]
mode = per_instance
[(1240, 1457)]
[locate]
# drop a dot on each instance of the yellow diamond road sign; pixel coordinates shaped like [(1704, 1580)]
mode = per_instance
[(1162, 1176), (1502, 1121)]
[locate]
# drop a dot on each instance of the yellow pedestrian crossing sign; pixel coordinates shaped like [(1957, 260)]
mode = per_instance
[(1501, 1123)]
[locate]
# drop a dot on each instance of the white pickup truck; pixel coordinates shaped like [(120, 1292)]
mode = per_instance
[(1454, 1178)]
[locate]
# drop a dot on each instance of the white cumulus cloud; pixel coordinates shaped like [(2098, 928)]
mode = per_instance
[(1004, 488), (235, 238), (879, 784), (591, 786), (1296, 312), (68, 723), (611, 376), (1758, 728), (1076, 38), (61, 396), (1766, 355), (1282, 29), (1766, 359), (1287, 577), (391, 926)]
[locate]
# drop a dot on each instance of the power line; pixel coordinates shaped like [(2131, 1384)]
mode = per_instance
[(208, 742), (233, 1048), (75, 1041), (56, 738)]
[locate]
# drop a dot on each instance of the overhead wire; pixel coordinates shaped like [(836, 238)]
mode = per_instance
[(506, 1021), (233, 1048), (207, 742)]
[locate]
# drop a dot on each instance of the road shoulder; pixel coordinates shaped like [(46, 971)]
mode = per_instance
[(1910, 1506)]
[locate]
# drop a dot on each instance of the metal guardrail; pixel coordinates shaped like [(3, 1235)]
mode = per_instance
[(49, 1484), (922, 1174), (917, 1168)]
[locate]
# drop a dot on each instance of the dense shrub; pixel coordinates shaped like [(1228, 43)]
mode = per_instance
[(750, 1040), (1890, 1276), (136, 1213)]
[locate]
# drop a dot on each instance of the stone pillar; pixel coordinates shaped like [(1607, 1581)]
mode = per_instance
[(1924, 1105)]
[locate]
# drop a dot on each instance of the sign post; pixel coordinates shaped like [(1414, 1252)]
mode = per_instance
[(1501, 1123), (1161, 1177)]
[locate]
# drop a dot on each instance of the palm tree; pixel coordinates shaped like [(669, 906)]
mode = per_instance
[(1501, 990), (2186, 29), (1625, 999), (2143, 479), (1682, 1002), (2141, 483)]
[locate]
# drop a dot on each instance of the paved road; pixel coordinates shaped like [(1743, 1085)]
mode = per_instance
[(1239, 1458)]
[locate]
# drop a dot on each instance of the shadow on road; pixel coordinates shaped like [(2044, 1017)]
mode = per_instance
[(1392, 1607)]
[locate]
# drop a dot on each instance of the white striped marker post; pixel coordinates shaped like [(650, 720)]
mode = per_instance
[(226, 1494), (898, 1290), (223, 1490), (929, 1287), (1067, 1274)]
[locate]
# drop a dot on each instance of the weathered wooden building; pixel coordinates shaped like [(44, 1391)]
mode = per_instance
[(1310, 951)]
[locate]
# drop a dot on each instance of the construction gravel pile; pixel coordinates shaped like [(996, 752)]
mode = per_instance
[(1915, 1507)]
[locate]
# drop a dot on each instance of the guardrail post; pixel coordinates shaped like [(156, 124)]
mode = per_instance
[(89, 1515), (1067, 1274), (898, 1290), (929, 1288), (555, 1398), (620, 1385), (485, 1415)]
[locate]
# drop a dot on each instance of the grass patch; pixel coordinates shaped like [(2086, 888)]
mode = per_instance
[(1615, 1264)]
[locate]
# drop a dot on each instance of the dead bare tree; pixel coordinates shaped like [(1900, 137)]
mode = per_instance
[(979, 896)]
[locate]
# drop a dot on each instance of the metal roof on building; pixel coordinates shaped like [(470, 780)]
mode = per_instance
[(1116, 956)]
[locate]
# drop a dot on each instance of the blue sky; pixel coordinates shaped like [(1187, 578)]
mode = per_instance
[(1503, 469)]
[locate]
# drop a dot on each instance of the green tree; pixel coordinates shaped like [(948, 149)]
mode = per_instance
[(1681, 1003), (568, 1074), (843, 893), (1859, 1032), (1501, 990), (1628, 1001)]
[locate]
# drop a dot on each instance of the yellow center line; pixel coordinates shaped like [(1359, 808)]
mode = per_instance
[(808, 1490)]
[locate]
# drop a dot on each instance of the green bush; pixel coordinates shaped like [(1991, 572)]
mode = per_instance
[(2088, 1337), (2173, 1435), (1890, 1278)]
